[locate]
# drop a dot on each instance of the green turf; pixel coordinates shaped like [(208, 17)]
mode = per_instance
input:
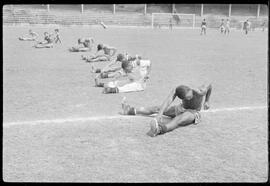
[(54, 83)]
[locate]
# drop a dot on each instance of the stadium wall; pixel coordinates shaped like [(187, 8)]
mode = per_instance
[(92, 14)]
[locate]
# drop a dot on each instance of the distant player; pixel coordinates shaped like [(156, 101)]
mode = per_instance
[(170, 24), (136, 73), (104, 53), (263, 26), (185, 113), (246, 26), (47, 43), (222, 26), (31, 37), (176, 17), (203, 27), (84, 45), (57, 37), (227, 27)]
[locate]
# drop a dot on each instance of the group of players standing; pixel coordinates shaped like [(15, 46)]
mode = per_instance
[(225, 27)]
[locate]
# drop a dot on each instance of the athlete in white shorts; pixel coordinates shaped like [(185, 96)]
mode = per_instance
[(84, 45), (136, 73), (104, 53), (47, 43), (31, 37)]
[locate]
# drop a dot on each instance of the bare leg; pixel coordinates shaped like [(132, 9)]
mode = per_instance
[(156, 128), (102, 58), (43, 46), (180, 120), (128, 110)]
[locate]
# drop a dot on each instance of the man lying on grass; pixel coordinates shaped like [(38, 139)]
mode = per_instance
[(111, 70), (47, 43), (104, 53), (185, 113), (136, 74), (31, 37), (84, 45)]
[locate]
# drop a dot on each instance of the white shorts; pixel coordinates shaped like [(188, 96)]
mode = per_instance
[(203, 27), (128, 87)]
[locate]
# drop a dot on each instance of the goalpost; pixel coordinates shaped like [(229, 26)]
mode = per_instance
[(178, 20)]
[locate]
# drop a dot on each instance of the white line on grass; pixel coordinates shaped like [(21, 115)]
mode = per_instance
[(95, 118)]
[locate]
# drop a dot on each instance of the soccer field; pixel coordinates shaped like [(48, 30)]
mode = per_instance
[(58, 127)]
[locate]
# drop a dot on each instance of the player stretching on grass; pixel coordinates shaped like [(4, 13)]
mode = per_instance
[(47, 43), (31, 37), (137, 73), (185, 113), (110, 71), (85, 45), (203, 27), (104, 53)]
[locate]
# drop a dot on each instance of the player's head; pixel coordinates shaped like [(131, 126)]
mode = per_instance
[(56, 30), (99, 47), (204, 19), (120, 57), (46, 33), (127, 66), (79, 41), (184, 92)]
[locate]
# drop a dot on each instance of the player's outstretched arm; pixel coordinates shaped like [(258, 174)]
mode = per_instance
[(149, 68), (205, 91), (106, 68), (207, 97), (166, 104)]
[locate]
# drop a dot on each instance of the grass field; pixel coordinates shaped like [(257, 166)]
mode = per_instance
[(50, 84)]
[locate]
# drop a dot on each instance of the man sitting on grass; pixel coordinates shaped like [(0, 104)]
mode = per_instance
[(136, 74), (104, 53), (84, 45), (185, 113), (47, 43), (31, 37)]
